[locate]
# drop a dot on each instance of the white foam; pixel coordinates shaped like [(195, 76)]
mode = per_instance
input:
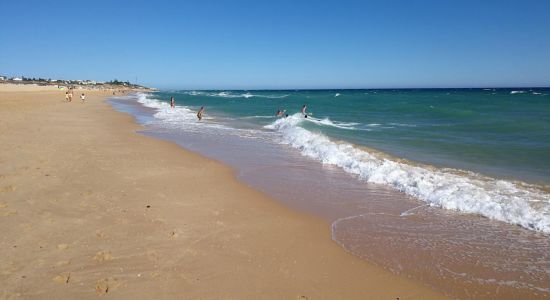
[(169, 115), (259, 117), (517, 92), (328, 122), (506, 201), (183, 118), (337, 94), (226, 94), (403, 125)]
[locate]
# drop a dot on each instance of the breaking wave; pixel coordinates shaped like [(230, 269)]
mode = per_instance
[(229, 94), (515, 203)]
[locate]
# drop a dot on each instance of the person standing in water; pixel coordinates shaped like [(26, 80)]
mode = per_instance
[(304, 107), (199, 114), (280, 112), (172, 102)]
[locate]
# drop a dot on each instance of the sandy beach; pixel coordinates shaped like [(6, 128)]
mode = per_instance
[(90, 208)]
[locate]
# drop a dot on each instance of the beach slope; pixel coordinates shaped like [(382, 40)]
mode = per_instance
[(90, 207)]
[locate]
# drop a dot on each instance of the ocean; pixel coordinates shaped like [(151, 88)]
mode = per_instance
[(413, 172)]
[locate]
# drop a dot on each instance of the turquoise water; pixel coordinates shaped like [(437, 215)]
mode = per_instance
[(504, 133), (481, 151), (312, 165)]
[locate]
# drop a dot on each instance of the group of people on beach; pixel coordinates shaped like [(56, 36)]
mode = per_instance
[(280, 112), (69, 96), (199, 113)]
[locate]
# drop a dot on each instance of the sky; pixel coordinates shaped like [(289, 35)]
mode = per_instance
[(280, 44)]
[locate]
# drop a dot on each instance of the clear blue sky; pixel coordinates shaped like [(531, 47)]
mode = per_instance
[(280, 44)]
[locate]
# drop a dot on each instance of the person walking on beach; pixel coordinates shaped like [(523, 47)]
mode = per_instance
[(199, 114), (67, 96), (82, 97), (172, 102), (70, 95)]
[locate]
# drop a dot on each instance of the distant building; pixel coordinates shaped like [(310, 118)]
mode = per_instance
[(2, 78), (17, 79)]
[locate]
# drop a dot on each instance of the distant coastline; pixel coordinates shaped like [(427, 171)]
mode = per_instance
[(70, 83)]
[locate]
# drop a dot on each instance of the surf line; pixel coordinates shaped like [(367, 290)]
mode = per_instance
[(335, 223), (408, 212)]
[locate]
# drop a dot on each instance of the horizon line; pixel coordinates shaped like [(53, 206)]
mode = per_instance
[(328, 89)]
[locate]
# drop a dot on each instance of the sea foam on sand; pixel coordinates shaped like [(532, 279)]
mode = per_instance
[(515, 203)]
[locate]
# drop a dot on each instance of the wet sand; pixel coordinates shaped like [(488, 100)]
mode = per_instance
[(89, 207)]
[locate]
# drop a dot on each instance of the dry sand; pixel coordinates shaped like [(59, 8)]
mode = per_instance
[(10, 87), (89, 208)]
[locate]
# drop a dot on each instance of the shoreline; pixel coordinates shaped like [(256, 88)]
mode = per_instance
[(371, 221), (112, 211)]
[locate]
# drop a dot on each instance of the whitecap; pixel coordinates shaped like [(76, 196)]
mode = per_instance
[(336, 124), (466, 192)]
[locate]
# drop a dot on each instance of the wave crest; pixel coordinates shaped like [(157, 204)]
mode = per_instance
[(524, 205), (227, 94)]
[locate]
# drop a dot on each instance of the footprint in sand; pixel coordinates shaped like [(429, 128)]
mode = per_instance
[(106, 285), (103, 256), (8, 188), (62, 278), (6, 213), (10, 269), (100, 235), (63, 263), (11, 212), (86, 193), (102, 286), (152, 255)]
